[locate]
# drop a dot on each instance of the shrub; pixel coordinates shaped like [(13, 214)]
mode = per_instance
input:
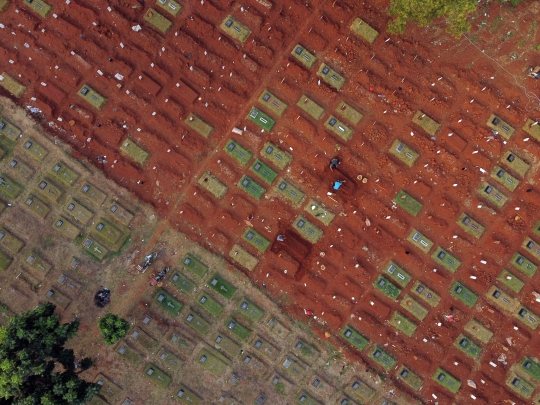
[(113, 328)]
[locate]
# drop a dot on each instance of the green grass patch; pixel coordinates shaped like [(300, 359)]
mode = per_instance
[(261, 119), (382, 357), (213, 185), (403, 153), (425, 293), (531, 367), (303, 56), (128, 353), (273, 103), (354, 337), (531, 247), (9, 189), (511, 281), (446, 260), (157, 376), (519, 385), (64, 173), (5, 261), (305, 228), (32, 148), (91, 194), (251, 187), (238, 152), (49, 190), (77, 211), (4, 4), (311, 107), (235, 29), (306, 351), (278, 157), (256, 240), (226, 344), (168, 302), (250, 311), (397, 274), (157, 21), (170, 359), (209, 304), (447, 380), (265, 172), (264, 347), (197, 323), (414, 307), (532, 128), (502, 176), (194, 265), (469, 225), (420, 241), (142, 338), (290, 191), (293, 368), (428, 124), (36, 262), (319, 212), (66, 228), (243, 257), (468, 347), (330, 76), (237, 329), (170, 6), (11, 85), (221, 286), (402, 323), (386, 287), (40, 7), (9, 130), (523, 264), (304, 398), (349, 113), (408, 203), (463, 294), (212, 361), (515, 163), (526, 316), (503, 128), (492, 194), (478, 331), (410, 378), (37, 206), (109, 234), (360, 27), (360, 391), (184, 284), (91, 96), (134, 151), (186, 396), (94, 248), (339, 128), (199, 126)]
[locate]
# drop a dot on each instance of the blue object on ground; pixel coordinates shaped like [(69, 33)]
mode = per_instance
[(337, 185)]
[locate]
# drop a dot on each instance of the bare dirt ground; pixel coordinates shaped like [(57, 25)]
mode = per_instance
[(197, 68)]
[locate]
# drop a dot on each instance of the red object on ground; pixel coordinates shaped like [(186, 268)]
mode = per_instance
[(371, 88), (307, 312)]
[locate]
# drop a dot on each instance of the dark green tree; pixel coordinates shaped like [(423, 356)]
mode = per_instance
[(113, 328), (35, 368)]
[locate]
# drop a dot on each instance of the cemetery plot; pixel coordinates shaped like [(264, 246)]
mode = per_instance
[(261, 119), (293, 368), (109, 235), (209, 304), (256, 240), (445, 259), (536, 229), (197, 323), (330, 76), (363, 29), (235, 29), (226, 344), (186, 396), (532, 247), (32, 282), (210, 183), (266, 348), (425, 293), (531, 367), (278, 328), (303, 56), (238, 152), (277, 156), (168, 302), (94, 248), (339, 128), (515, 163), (273, 103), (532, 128), (306, 352), (410, 378), (66, 228), (500, 126), (32, 148), (386, 287), (64, 173), (289, 191), (511, 281), (213, 361), (527, 317), (19, 168), (91, 96), (414, 307), (243, 257), (382, 357), (403, 153), (251, 187), (469, 225), (199, 126), (519, 385), (397, 274), (156, 375), (11, 85), (319, 211), (5, 261), (194, 265), (170, 359), (57, 298), (304, 398), (49, 190), (35, 262), (9, 130), (502, 176), (109, 390), (4, 4), (142, 338), (307, 229), (255, 365), (478, 331), (523, 264), (77, 211), (170, 6), (463, 294), (134, 151), (9, 189), (402, 323), (221, 286), (428, 124), (447, 380), (40, 7), (311, 107), (184, 284), (468, 347), (92, 194), (237, 329), (181, 342), (10, 241), (265, 172), (250, 311), (420, 241), (491, 194), (128, 353), (501, 299), (349, 113), (157, 21), (408, 203)]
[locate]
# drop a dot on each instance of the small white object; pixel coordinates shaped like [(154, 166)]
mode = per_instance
[(517, 208), (439, 324), (121, 45), (88, 139), (154, 113), (136, 28), (168, 150), (72, 53), (119, 76), (492, 364), (424, 340), (285, 271), (472, 396), (44, 84), (371, 303), (100, 72), (473, 277), (434, 396), (454, 237), (483, 262), (516, 328)]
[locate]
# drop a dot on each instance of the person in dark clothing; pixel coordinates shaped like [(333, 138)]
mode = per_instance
[(334, 163)]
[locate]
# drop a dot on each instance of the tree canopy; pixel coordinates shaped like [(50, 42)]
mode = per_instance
[(35, 368), (113, 328)]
